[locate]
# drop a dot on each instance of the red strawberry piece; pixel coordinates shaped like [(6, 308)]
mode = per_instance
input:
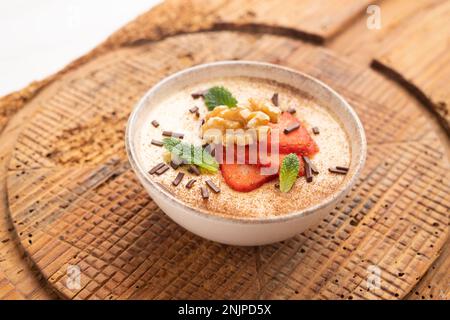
[(244, 177), (298, 141), (248, 155)]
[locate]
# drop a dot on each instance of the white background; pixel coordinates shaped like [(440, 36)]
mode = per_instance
[(39, 37)]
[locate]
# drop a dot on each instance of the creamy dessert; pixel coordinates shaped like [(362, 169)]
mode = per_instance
[(244, 147)]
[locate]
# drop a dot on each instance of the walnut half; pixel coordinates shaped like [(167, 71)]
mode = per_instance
[(253, 118)]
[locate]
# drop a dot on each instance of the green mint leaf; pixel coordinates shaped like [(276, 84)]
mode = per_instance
[(191, 154), (219, 96), (289, 172), (170, 143)]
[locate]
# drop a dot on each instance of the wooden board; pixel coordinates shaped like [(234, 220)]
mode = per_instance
[(181, 17), (362, 44), (310, 20), (417, 55), (74, 199), (313, 20), (21, 279), (434, 284)]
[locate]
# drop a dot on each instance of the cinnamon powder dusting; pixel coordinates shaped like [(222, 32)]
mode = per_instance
[(173, 114)]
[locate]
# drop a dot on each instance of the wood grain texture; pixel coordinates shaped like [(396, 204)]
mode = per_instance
[(417, 55), (21, 278), (181, 17), (310, 20), (436, 282), (7, 290), (72, 189), (362, 44)]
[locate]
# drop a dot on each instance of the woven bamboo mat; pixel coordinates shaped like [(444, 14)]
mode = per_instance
[(72, 198)]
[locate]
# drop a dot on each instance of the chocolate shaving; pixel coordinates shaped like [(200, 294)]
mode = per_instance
[(155, 168), (161, 170), (275, 99), (210, 148), (291, 110), (200, 94), (311, 165), (308, 172), (157, 143), (178, 179), (175, 164), (173, 134), (193, 109), (212, 186), (190, 184), (291, 128), (155, 123), (193, 169), (315, 130), (335, 170), (204, 192), (178, 135)]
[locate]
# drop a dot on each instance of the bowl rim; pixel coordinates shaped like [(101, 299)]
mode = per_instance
[(141, 173)]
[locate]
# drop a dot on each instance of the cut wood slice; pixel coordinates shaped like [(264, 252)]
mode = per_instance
[(416, 55), (70, 186)]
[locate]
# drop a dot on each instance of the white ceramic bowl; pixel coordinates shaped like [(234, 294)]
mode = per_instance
[(252, 231)]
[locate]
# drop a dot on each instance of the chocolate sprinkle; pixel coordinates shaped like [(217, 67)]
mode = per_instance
[(315, 130), (178, 179), (212, 186), (275, 99), (205, 192), (161, 170), (291, 128), (190, 184), (197, 95), (193, 109), (178, 135), (155, 123), (291, 110), (157, 143), (173, 134), (342, 168), (193, 169), (308, 172), (335, 170), (175, 164), (197, 114), (210, 148), (155, 168), (311, 165)]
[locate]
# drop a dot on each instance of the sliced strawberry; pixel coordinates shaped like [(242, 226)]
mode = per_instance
[(244, 158), (298, 141), (247, 177), (244, 177), (277, 160)]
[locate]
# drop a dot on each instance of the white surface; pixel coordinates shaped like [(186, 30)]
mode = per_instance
[(39, 37)]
